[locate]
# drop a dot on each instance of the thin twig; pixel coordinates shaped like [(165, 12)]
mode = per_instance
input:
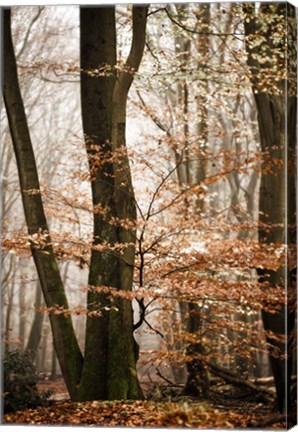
[(153, 329)]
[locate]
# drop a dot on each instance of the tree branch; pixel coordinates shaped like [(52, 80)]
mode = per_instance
[(34, 19), (190, 30)]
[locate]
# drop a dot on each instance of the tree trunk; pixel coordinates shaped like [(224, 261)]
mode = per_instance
[(36, 328), (122, 374), (44, 350), (109, 336), (197, 383), (22, 318), (67, 348), (10, 295), (98, 51), (202, 42), (277, 191), (54, 364)]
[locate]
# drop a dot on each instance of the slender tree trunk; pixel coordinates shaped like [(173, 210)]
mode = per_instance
[(10, 295), (22, 314), (44, 350), (67, 348), (54, 364), (202, 102), (36, 328), (122, 357), (182, 48)]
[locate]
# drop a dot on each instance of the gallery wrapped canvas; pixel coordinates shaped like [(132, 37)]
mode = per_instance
[(148, 215)]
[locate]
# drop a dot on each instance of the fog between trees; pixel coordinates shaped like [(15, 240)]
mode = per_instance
[(183, 214)]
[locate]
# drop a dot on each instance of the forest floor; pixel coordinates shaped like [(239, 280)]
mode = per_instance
[(224, 410)]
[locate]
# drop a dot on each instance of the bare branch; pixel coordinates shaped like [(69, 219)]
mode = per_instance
[(27, 35)]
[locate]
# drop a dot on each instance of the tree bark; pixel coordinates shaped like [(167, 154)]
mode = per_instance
[(54, 365), (98, 51), (36, 328), (122, 373), (109, 337), (66, 345), (277, 191)]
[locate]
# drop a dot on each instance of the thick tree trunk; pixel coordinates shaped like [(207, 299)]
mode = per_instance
[(109, 336), (277, 191), (98, 52), (66, 345)]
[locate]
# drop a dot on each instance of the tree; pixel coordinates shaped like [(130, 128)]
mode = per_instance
[(47, 268), (36, 328), (31, 44), (74, 368), (272, 82), (104, 94)]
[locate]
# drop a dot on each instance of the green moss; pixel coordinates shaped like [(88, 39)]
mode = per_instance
[(54, 265), (118, 389), (122, 375)]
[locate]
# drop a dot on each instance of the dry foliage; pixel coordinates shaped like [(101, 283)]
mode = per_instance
[(142, 414)]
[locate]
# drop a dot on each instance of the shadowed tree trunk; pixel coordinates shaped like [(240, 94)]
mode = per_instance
[(277, 186), (36, 328), (98, 50), (54, 365), (109, 336)]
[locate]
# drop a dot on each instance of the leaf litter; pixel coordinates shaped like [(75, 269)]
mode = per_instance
[(139, 414)]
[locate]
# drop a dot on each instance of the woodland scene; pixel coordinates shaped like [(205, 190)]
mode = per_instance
[(148, 215)]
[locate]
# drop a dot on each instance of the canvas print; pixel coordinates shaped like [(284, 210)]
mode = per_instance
[(148, 215)]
